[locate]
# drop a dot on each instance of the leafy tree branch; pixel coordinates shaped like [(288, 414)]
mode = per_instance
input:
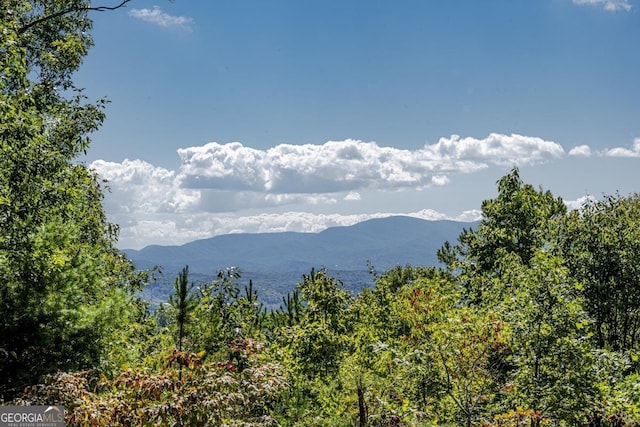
[(69, 10)]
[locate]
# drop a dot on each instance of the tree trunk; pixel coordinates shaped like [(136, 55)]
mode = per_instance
[(362, 408)]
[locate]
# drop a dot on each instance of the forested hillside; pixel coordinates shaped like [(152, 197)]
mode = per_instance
[(383, 242), (275, 261), (533, 320)]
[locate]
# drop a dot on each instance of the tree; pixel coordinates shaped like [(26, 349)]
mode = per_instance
[(75, 7), (313, 348), (510, 266), (451, 353), (518, 221), (319, 339), (224, 314), (465, 348), (601, 245), (290, 311), (62, 281), (550, 360), (183, 301)]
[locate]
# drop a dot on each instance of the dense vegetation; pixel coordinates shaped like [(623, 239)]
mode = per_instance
[(533, 319)]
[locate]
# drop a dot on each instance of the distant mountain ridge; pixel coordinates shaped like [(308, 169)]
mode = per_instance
[(385, 242)]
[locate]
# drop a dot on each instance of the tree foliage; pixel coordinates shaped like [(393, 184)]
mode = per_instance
[(62, 282), (512, 342), (517, 221), (550, 357), (601, 245)]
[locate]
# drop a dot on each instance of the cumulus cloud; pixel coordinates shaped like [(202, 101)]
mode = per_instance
[(158, 17), (231, 177), (143, 188), (608, 5), (462, 153), (634, 151), (350, 165), (439, 180), (217, 182), (580, 150), (586, 151)]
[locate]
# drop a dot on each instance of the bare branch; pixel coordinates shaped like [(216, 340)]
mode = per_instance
[(33, 23)]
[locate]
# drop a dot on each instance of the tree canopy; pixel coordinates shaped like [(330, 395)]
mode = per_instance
[(62, 281)]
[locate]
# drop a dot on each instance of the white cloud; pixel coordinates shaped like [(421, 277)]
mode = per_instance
[(439, 180), (586, 151), (141, 188), (608, 5), (217, 182), (350, 165), (578, 203), (469, 216), (353, 195), (158, 17), (469, 154), (624, 152), (580, 150)]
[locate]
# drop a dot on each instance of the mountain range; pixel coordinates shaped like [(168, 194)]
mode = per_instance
[(276, 257)]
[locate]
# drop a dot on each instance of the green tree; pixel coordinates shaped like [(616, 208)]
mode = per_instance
[(450, 355), (62, 282), (551, 361), (320, 338), (225, 314), (511, 267), (290, 311), (601, 245), (183, 301), (314, 349), (518, 221), (465, 348)]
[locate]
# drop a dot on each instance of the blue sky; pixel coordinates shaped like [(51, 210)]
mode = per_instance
[(261, 116)]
